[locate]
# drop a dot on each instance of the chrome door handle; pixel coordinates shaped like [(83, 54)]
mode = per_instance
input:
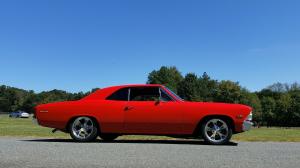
[(128, 108)]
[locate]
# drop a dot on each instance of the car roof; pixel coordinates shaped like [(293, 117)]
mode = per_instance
[(137, 85), (104, 92)]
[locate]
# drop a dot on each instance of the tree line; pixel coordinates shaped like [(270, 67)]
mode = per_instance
[(275, 105), (13, 99)]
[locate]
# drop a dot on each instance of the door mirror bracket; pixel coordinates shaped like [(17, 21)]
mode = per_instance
[(157, 102)]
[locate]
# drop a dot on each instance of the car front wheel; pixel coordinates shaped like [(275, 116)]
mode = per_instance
[(83, 129), (216, 131)]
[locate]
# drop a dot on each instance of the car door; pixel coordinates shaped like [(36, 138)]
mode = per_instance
[(147, 113), (111, 112)]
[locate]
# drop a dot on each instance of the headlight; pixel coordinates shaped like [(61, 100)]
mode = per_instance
[(249, 117)]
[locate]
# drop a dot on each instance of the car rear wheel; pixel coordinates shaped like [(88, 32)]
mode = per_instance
[(108, 137), (216, 131), (83, 129)]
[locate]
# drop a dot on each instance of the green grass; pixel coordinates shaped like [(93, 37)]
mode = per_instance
[(19, 127), (270, 134), (24, 127)]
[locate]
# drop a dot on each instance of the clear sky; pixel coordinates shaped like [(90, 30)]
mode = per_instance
[(80, 45)]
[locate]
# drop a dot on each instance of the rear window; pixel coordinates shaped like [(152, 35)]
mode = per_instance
[(119, 95)]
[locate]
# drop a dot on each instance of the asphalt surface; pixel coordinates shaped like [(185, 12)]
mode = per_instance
[(24, 153)]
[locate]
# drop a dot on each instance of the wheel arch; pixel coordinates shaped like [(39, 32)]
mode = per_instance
[(226, 118)]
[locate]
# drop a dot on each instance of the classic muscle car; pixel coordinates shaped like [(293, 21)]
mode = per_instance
[(147, 109)]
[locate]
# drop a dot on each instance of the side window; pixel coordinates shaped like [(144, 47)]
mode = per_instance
[(144, 94), (120, 95), (164, 96)]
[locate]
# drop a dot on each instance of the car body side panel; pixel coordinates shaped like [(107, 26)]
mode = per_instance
[(110, 115), (178, 117), (153, 118)]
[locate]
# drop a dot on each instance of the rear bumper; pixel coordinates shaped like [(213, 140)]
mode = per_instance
[(247, 125), (35, 121)]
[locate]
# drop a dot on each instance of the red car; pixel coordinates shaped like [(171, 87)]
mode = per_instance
[(149, 109)]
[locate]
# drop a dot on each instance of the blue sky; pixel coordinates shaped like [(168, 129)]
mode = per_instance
[(80, 45)]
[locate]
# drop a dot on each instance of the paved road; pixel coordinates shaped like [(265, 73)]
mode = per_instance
[(16, 152)]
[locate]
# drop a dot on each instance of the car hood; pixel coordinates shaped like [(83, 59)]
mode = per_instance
[(226, 107)]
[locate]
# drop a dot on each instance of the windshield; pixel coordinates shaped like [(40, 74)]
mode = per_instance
[(179, 98)]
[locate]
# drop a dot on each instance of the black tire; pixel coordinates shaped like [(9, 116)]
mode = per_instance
[(86, 133), (217, 132), (108, 137)]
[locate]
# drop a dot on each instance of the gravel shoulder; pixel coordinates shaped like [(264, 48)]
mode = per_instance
[(29, 152)]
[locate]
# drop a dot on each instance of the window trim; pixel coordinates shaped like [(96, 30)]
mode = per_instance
[(128, 94), (172, 94), (162, 89)]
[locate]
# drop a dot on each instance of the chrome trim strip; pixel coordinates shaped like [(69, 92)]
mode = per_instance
[(128, 94), (162, 89)]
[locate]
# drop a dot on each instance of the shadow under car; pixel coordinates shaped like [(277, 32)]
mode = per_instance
[(173, 141)]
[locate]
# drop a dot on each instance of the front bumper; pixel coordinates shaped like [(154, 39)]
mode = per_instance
[(247, 125)]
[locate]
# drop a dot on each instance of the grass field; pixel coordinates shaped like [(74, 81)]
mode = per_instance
[(25, 128)]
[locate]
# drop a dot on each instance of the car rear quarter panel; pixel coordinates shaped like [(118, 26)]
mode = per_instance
[(57, 115), (106, 113)]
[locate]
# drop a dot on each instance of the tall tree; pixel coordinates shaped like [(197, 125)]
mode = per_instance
[(189, 88), (295, 108), (229, 92), (207, 87), (168, 76), (268, 108), (283, 113), (252, 100)]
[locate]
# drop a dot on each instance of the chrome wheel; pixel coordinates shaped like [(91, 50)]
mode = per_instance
[(83, 128), (216, 130)]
